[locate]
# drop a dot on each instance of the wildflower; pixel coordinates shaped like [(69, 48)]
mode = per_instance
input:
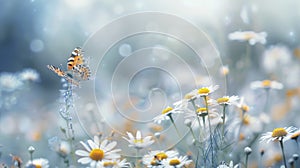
[(155, 158), (213, 115), (115, 164), (177, 162), (9, 82), (280, 134), (138, 142), (63, 148), (224, 70), (225, 100), (165, 114), (266, 84), (225, 165), (29, 75), (205, 91), (38, 163), (249, 36), (242, 105), (276, 56), (96, 153)]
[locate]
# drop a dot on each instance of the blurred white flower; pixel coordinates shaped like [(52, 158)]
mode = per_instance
[(250, 36), (29, 75), (96, 153), (276, 56), (224, 70), (155, 158), (281, 134), (9, 82), (63, 148), (138, 142), (242, 105), (177, 162), (266, 84), (40, 162)]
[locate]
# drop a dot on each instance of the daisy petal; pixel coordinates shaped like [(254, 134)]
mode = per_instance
[(84, 160), (82, 153)]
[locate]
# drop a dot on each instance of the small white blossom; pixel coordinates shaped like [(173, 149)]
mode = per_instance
[(40, 162), (138, 142), (250, 36), (266, 84), (29, 75)]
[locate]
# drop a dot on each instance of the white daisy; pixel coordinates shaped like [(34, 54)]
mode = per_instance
[(115, 164), (155, 158), (249, 36), (230, 165), (165, 114), (96, 153), (138, 142), (225, 100), (213, 115), (38, 163), (266, 84), (205, 91), (176, 162), (280, 134), (29, 75)]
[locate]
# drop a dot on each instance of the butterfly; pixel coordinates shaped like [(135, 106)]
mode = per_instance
[(77, 68)]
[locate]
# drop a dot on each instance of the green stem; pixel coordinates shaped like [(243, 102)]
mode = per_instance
[(137, 158), (31, 157), (223, 125), (195, 108), (210, 132), (246, 162), (266, 108), (282, 150), (172, 120), (192, 132)]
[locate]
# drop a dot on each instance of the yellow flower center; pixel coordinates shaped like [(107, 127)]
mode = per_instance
[(245, 108), (109, 164), (97, 154), (161, 156), (246, 120), (266, 83), (201, 110), (154, 162), (248, 36), (222, 100), (138, 141), (38, 166), (279, 132), (174, 162), (203, 90), (166, 110)]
